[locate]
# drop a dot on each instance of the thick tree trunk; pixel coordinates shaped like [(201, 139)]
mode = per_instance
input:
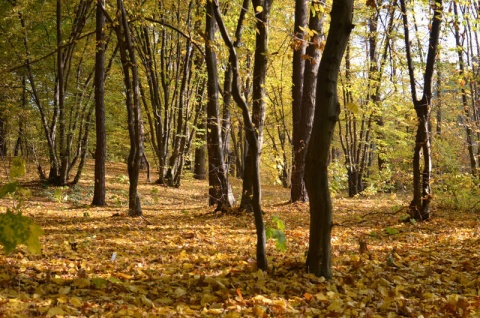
[(218, 187), (303, 129), (298, 191), (326, 115), (99, 191)]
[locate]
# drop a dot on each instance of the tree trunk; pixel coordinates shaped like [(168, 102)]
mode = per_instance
[(218, 187), (251, 135), (422, 195), (258, 101), (3, 139), (466, 108), (326, 115), (132, 89), (298, 191), (306, 108), (101, 145)]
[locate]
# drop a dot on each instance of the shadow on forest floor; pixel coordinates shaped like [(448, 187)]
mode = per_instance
[(188, 262)]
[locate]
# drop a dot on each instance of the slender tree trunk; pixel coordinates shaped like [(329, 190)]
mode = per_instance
[(61, 178), (200, 168), (466, 108), (132, 88), (251, 134), (258, 101), (101, 145), (327, 111), (3, 139), (422, 194)]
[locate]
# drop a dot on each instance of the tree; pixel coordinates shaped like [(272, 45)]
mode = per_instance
[(101, 145), (468, 85), (422, 194), (65, 116), (326, 115), (217, 179), (251, 134), (298, 191), (303, 91), (132, 100), (361, 101), (262, 11)]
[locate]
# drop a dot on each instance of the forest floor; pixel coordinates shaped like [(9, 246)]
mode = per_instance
[(182, 260)]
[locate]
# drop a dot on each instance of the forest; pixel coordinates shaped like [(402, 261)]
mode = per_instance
[(263, 158)]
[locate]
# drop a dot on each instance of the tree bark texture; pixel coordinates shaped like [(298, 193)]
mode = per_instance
[(99, 191), (303, 128), (298, 191), (218, 187), (326, 115)]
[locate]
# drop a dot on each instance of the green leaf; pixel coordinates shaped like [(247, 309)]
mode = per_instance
[(281, 241), (99, 282), (8, 188), (391, 231), (279, 237), (279, 222), (17, 229)]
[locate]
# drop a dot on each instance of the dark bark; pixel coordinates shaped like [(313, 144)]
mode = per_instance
[(258, 102), (217, 179), (99, 191), (326, 115), (251, 135), (21, 143), (298, 191), (132, 90), (303, 128), (422, 194)]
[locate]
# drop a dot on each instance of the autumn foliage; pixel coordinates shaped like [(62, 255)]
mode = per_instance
[(182, 260)]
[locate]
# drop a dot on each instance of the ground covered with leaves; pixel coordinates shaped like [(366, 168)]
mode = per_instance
[(182, 260)]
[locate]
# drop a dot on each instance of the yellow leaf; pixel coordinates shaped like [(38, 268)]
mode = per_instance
[(208, 299), (76, 302), (258, 312), (336, 305), (62, 300), (259, 9), (353, 108), (64, 290), (54, 311), (147, 302), (179, 292)]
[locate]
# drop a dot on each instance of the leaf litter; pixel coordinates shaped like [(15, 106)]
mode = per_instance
[(188, 262)]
